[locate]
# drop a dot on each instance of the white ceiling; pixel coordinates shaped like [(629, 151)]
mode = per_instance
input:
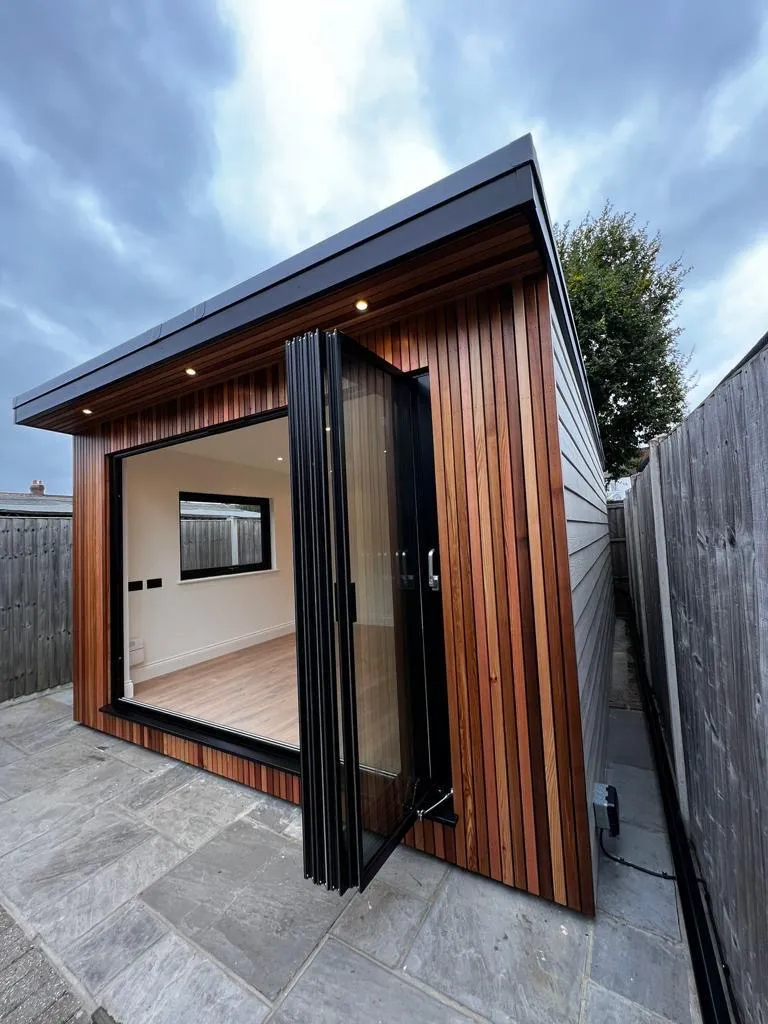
[(258, 446)]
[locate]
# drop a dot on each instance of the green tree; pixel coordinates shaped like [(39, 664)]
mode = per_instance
[(624, 300)]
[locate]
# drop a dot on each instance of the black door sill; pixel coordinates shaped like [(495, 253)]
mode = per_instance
[(249, 747)]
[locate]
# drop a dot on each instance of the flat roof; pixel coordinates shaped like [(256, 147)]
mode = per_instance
[(21, 504), (493, 185)]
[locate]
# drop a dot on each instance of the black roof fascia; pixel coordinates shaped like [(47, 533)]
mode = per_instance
[(479, 192)]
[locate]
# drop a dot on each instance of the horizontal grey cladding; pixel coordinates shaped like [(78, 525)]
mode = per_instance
[(589, 555)]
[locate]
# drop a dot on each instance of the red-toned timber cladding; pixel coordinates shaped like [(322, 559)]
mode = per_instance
[(514, 715)]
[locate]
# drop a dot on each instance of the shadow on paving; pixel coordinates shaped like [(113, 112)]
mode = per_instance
[(166, 894)]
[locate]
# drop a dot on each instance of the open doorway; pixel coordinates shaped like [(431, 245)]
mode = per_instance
[(331, 668), (208, 568)]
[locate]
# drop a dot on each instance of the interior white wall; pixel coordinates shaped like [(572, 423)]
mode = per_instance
[(186, 622)]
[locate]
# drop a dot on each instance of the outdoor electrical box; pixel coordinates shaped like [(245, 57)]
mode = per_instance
[(605, 801)]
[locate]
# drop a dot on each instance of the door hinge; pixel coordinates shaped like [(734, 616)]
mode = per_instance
[(428, 810)]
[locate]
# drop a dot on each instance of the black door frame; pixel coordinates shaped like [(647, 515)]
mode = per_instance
[(229, 741), (217, 737)]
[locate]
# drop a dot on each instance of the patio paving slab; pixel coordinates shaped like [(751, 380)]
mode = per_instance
[(604, 1007), (381, 922), (157, 786), (244, 900), (197, 892), (9, 753), (65, 920), (628, 741), (341, 985), (193, 814), (642, 900), (639, 795), (103, 953), (19, 720), (61, 859), (58, 729), (504, 954), (73, 797), (181, 897), (412, 872), (644, 846), (27, 773), (643, 968), (275, 814), (170, 982), (63, 696)]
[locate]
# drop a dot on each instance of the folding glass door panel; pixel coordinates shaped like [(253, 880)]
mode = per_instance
[(359, 612), (372, 477)]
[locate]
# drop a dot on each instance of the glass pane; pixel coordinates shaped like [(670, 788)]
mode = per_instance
[(219, 652), (219, 534), (379, 508)]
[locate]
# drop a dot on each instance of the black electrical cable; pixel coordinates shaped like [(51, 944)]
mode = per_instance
[(637, 867), (646, 870)]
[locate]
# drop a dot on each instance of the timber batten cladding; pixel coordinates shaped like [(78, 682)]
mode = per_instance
[(478, 318)]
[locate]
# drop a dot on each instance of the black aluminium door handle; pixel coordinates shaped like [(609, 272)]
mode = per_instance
[(433, 579)]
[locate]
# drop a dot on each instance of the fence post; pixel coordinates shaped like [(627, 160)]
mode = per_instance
[(668, 638), (640, 589)]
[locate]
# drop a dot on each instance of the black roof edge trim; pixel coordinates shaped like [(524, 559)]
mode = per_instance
[(287, 275)]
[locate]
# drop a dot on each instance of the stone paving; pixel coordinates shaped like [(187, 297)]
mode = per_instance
[(161, 894)]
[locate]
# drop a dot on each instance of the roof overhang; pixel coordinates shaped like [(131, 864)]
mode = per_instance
[(498, 184)]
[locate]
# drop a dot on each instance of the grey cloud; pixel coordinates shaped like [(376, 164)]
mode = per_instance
[(582, 68), (115, 99), (28, 454), (112, 101), (118, 92)]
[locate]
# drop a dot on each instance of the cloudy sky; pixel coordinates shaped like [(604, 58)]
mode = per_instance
[(154, 152)]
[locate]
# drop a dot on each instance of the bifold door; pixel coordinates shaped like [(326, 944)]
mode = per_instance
[(360, 580)]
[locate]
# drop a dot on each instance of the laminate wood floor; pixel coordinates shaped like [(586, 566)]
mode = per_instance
[(253, 691)]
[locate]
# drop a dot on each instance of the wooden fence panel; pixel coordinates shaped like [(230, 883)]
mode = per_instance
[(205, 543), (617, 528), (249, 541), (714, 483), (35, 604), (617, 531)]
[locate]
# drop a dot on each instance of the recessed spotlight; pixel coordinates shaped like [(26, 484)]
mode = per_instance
[(280, 458), (361, 305), (327, 430), (88, 412), (190, 372)]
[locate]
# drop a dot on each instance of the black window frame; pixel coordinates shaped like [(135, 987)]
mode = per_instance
[(265, 508)]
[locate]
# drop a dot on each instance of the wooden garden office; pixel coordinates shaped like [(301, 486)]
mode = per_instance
[(339, 534)]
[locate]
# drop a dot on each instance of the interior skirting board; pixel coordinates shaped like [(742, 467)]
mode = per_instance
[(152, 669)]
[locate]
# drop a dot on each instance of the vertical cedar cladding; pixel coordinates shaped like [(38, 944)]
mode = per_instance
[(517, 760)]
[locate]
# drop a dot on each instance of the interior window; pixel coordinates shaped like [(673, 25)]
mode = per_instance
[(223, 534)]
